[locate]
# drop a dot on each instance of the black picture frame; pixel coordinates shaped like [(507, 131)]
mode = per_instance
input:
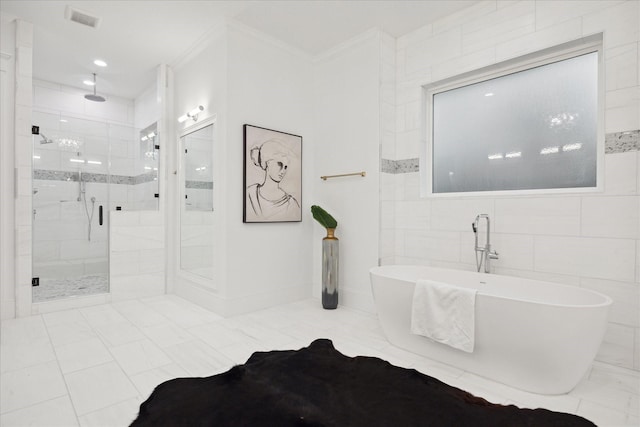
[(272, 176)]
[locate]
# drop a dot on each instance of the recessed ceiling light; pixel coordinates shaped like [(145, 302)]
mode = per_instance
[(549, 150), (488, 94), (100, 63), (572, 147), (89, 82)]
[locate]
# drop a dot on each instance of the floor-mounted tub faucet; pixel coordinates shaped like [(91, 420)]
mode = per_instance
[(485, 253)]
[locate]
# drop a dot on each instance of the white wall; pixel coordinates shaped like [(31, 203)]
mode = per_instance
[(346, 114), (7, 218), (244, 78), (21, 165), (269, 86), (147, 107), (200, 78), (587, 240)]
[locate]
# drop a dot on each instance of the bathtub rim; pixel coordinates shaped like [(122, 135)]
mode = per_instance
[(607, 300)]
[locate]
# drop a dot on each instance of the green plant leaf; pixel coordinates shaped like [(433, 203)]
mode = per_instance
[(323, 217)]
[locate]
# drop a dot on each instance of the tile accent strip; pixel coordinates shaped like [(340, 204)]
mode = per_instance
[(202, 185), (408, 165), (621, 142), (400, 166), (387, 166), (618, 142), (93, 177)]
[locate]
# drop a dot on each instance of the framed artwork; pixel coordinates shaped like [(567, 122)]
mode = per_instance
[(272, 176)]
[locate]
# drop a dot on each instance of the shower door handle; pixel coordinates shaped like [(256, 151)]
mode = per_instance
[(100, 214)]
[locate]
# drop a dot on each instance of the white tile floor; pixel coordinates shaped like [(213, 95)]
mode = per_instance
[(94, 366)]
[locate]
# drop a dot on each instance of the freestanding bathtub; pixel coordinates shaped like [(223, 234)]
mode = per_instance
[(536, 336)]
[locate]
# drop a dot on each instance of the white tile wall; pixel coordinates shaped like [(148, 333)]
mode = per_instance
[(407, 144), (515, 250), (559, 11), (621, 170), (462, 64), (412, 214), (549, 36), (611, 216), (601, 258), (638, 263), (589, 240), (626, 299), (621, 64), (618, 21), (137, 264), (638, 176), (458, 214), (459, 19), (433, 245), (441, 47), (504, 23)]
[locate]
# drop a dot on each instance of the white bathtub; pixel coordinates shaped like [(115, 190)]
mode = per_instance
[(536, 336)]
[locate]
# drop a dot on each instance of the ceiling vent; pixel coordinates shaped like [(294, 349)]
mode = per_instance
[(75, 15)]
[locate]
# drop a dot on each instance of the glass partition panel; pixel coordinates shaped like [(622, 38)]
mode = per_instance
[(146, 169), (70, 204)]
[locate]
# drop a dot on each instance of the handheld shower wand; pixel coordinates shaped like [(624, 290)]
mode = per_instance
[(485, 252), (478, 250), (45, 140)]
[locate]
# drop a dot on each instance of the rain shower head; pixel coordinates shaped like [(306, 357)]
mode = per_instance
[(93, 96)]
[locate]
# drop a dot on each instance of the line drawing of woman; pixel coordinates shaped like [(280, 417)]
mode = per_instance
[(267, 200)]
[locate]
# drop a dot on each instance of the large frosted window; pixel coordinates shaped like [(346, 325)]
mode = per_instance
[(528, 130)]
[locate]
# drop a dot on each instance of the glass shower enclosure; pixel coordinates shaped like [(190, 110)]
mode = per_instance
[(83, 169)]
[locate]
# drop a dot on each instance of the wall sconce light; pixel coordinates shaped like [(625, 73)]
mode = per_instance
[(193, 114)]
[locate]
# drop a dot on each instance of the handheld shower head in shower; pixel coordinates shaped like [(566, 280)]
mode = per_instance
[(45, 140), (93, 96)]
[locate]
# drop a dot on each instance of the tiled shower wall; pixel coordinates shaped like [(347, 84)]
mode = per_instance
[(587, 240)]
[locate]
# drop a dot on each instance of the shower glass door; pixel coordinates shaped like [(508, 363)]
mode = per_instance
[(70, 207)]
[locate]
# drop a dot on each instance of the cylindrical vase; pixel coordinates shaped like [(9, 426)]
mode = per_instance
[(330, 256)]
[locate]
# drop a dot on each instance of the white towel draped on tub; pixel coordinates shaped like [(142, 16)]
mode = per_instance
[(444, 313)]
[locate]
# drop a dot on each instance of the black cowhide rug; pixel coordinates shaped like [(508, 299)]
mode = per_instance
[(319, 386)]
